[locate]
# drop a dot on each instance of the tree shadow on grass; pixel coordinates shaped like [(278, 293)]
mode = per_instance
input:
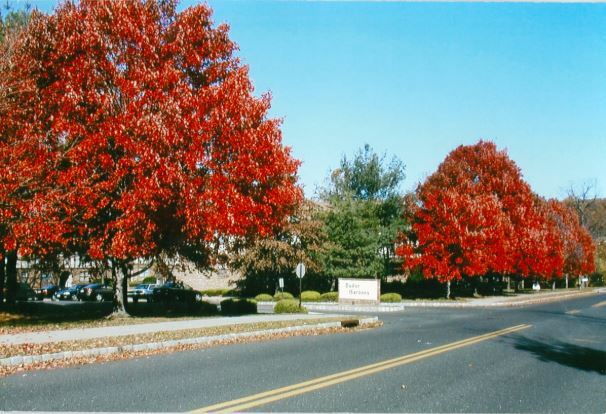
[(27, 314), (574, 356)]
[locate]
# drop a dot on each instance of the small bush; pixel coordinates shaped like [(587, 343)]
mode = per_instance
[(204, 308), (264, 297), (283, 295), (329, 297), (217, 292), (597, 279), (238, 306), (289, 306), (391, 297), (149, 279), (310, 296), (350, 323)]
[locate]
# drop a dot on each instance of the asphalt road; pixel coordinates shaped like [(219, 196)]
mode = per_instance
[(557, 364)]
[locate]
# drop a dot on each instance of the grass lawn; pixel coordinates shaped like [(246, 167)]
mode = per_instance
[(44, 316)]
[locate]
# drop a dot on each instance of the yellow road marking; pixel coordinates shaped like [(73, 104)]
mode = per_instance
[(573, 312), (599, 304), (326, 381)]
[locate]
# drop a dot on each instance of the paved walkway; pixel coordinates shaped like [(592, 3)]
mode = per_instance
[(137, 329)]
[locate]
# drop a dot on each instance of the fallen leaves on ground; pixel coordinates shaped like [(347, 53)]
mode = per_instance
[(9, 370)]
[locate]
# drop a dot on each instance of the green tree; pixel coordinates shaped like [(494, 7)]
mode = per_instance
[(262, 261), (366, 177), (12, 20), (364, 215)]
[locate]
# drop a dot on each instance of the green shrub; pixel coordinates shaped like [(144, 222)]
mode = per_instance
[(204, 308), (217, 292), (310, 296), (264, 297), (597, 279), (150, 279), (238, 306), (329, 297), (289, 306), (391, 297), (283, 295)]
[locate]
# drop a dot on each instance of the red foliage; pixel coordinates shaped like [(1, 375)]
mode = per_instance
[(577, 245), (476, 215), (144, 133)]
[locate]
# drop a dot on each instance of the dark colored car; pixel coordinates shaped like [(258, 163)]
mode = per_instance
[(142, 291), (97, 292), (46, 292), (70, 293), (172, 292), (24, 292)]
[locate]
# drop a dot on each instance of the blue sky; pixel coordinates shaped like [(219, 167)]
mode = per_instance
[(415, 80)]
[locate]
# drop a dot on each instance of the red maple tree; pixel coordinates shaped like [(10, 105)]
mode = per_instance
[(155, 139), (25, 173), (476, 216), (577, 245)]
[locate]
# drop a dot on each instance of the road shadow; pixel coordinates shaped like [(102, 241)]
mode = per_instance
[(574, 356)]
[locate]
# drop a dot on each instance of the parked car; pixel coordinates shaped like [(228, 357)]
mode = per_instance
[(46, 292), (24, 292), (172, 292), (97, 292), (69, 293), (142, 291)]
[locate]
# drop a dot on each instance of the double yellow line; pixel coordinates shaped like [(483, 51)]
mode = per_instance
[(256, 400)]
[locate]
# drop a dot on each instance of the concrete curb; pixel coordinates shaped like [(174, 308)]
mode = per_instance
[(503, 304), (327, 306), (93, 352)]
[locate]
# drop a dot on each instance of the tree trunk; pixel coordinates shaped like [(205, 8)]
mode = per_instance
[(63, 276), (522, 284), (11, 277), (2, 276), (448, 290), (553, 285), (566, 281), (120, 277)]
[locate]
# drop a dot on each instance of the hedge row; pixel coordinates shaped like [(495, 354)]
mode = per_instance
[(306, 296), (238, 306), (391, 297), (218, 292)]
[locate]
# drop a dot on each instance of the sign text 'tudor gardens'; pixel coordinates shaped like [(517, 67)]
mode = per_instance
[(359, 290)]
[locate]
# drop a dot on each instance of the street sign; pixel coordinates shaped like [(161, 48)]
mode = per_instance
[(281, 283), (300, 270)]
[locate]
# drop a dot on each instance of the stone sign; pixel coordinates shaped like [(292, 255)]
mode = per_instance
[(358, 291)]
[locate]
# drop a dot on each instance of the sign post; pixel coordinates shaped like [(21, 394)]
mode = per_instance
[(281, 284), (300, 271)]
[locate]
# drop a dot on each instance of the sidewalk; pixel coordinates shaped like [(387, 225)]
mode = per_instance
[(144, 328)]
